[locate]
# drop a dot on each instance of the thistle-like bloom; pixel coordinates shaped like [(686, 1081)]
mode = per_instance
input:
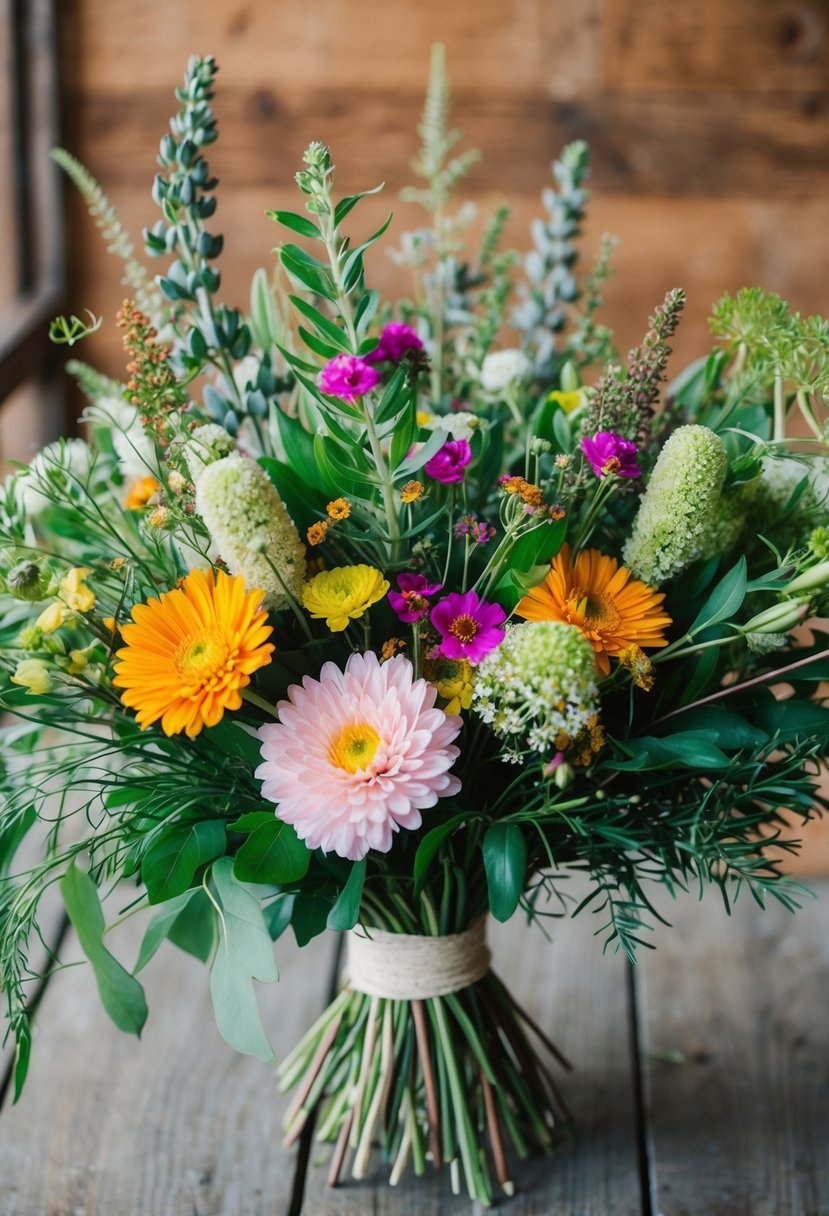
[(411, 602), (611, 455), (600, 598), (357, 755), (448, 465), (469, 627), (537, 688), (347, 377), (680, 505), (189, 652), (251, 529), (343, 594), (396, 340)]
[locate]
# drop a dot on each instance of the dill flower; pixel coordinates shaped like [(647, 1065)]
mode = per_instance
[(33, 674), (140, 492), (598, 596), (680, 505), (639, 665), (249, 525), (539, 684), (188, 653), (357, 755), (340, 508), (343, 594), (390, 648)]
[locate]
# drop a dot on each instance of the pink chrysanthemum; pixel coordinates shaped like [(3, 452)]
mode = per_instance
[(357, 755), (347, 377)]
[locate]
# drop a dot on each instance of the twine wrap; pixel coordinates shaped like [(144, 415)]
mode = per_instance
[(408, 967)]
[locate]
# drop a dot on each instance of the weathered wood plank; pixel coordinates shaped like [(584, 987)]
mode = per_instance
[(579, 998), (179, 1123), (739, 1128)]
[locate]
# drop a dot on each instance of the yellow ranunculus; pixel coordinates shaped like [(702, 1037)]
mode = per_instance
[(343, 594), (74, 591), (34, 675)]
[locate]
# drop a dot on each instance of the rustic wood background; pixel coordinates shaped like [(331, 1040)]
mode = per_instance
[(709, 124)]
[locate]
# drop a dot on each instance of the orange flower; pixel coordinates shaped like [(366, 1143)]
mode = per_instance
[(340, 508), (140, 492), (188, 653), (598, 596), (412, 491), (315, 535)]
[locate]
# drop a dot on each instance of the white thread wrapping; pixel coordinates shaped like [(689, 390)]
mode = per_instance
[(408, 967)]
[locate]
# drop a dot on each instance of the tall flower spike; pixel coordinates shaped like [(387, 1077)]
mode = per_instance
[(680, 505), (249, 525)]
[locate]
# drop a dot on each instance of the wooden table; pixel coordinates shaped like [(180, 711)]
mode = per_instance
[(701, 1089)]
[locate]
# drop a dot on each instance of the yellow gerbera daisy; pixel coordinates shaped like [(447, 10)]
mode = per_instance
[(189, 652), (598, 596), (343, 594)]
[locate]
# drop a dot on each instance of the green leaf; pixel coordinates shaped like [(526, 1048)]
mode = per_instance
[(233, 738), (298, 444), (272, 854), (326, 328), (121, 994), (194, 929), (364, 313), (356, 255), (320, 347), (22, 1055), (505, 863), (346, 910), (417, 460), (309, 917), (250, 821), (297, 223), (169, 865), (538, 546), (278, 915), (792, 718), (725, 600), (311, 273), (346, 204), (245, 953), (158, 930), (693, 749), (347, 478), (728, 730), (298, 492), (429, 847)]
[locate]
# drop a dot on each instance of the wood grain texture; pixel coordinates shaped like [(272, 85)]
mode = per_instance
[(178, 1124), (579, 999), (739, 1128)]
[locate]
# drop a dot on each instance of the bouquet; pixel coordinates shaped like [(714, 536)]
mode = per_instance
[(388, 617)]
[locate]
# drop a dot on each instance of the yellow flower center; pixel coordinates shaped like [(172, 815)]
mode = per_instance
[(464, 628), (600, 612), (204, 656), (354, 747)]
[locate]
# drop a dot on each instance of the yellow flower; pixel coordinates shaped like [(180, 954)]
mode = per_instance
[(140, 492), (424, 417), (343, 594), (74, 591), (454, 684), (52, 618), (34, 675), (390, 648), (77, 661), (340, 508), (189, 652), (109, 623), (568, 401), (598, 596), (412, 491), (316, 533)]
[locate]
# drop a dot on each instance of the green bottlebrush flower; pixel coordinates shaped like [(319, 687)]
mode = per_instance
[(249, 525), (679, 508), (27, 581), (205, 446), (538, 687)]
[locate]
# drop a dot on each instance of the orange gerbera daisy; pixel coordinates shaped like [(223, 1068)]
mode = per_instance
[(189, 652), (600, 598)]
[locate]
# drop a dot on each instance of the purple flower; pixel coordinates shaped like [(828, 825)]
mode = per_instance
[(395, 341), (449, 464), (611, 455), (347, 377), (478, 529), (469, 627), (410, 602)]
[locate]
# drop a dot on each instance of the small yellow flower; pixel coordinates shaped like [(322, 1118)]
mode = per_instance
[(34, 675), (74, 591), (340, 508), (390, 648), (77, 662), (568, 401), (316, 533), (117, 563), (453, 679), (343, 594), (424, 417), (639, 666), (140, 492), (159, 518), (52, 618), (412, 491)]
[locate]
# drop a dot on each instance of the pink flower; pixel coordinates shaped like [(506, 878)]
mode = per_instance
[(395, 341), (410, 602), (469, 627), (347, 377), (449, 464), (611, 455), (357, 755), (478, 529)]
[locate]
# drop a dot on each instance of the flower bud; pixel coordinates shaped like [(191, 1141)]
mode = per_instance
[(808, 580), (570, 378), (26, 581), (779, 618), (563, 776), (33, 674)]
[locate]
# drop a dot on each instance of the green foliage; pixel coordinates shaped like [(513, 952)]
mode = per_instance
[(441, 171), (505, 863)]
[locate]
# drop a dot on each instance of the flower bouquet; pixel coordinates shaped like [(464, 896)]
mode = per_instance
[(348, 615)]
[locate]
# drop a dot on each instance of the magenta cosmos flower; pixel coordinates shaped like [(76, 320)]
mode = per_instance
[(395, 341), (347, 377), (448, 465), (410, 602), (611, 455), (469, 627), (357, 755)]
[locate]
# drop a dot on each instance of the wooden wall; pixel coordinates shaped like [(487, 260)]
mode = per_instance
[(709, 123)]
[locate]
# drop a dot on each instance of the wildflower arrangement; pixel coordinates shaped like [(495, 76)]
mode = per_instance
[(347, 615)]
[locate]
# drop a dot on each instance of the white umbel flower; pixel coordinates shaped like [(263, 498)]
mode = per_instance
[(501, 368)]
